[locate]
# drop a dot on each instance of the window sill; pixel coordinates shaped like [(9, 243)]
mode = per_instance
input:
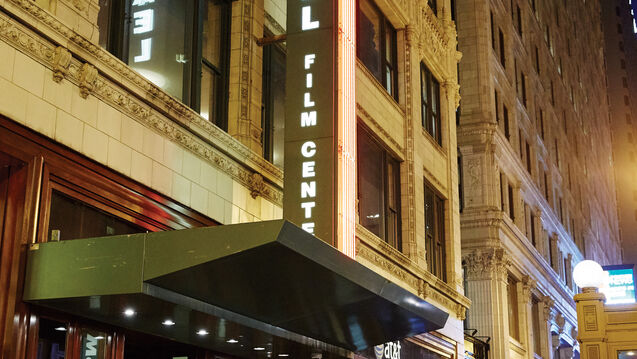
[(434, 143), (393, 101)]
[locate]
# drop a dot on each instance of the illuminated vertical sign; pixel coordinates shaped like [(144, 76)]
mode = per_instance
[(320, 126)]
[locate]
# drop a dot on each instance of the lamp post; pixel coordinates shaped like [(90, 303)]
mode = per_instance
[(591, 321)]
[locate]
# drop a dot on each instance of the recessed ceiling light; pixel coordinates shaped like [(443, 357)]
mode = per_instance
[(99, 337), (232, 341), (168, 323), (259, 348), (61, 329), (129, 312), (202, 332), (284, 355)]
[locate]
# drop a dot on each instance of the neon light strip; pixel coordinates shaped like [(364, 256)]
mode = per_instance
[(347, 126)]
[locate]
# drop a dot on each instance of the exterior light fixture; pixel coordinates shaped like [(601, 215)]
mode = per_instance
[(168, 323), (129, 312), (232, 341), (588, 275), (202, 332)]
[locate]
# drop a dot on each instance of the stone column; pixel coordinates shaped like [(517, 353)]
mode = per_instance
[(246, 59), (591, 324), (546, 317), (486, 271)]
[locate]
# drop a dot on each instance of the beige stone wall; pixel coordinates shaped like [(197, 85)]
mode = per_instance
[(566, 98)]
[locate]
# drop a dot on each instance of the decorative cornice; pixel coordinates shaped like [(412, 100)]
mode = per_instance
[(179, 112), (273, 25), (90, 81)]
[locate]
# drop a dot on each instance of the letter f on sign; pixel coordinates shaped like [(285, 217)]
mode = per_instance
[(306, 19)]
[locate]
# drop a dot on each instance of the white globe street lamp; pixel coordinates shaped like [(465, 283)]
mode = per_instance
[(589, 276)]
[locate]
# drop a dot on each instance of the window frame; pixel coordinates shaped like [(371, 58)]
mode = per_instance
[(267, 113), (387, 160), (435, 245), (429, 81), (118, 33), (385, 26)]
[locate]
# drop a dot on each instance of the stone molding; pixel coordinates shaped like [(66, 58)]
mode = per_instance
[(61, 62), (381, 254), (179, 112), (90, 81), (489, 263)]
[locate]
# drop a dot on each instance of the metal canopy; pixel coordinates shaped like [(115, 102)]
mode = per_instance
[(269, 283)]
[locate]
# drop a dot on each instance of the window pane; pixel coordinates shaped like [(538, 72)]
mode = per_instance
[(157, 43), (73, 219), (51, 339), (273, 104), (210, 84), (369, 38), (370, 184), (103, 22), (211, 36)]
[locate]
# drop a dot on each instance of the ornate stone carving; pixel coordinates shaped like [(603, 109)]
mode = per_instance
[(487, 263), (453, 91), (61, 61), (528, 284), (87, 77), (560, 321), (256, 185)]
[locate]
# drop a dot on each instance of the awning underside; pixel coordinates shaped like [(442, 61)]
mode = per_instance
[(269, 281)]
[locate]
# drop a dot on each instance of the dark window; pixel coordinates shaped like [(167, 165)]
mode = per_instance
[(511, 203), (514, 321), (460, 181), (74, 219), (187, 59), (622, 63), (546, 187), (502, 50), (376, 39), (557, 153), (501, 192), (533, 239), (619, 29), (378, 190), (435, 233), (552, 254), (430, 101), (552, 94), (51, 339), (528, 157), (523, 88), (541, 119), (625, 82), (537, 60), (492, 33), (497, 106), (505, 115), (433, 4), (453, 10), (273, 102)]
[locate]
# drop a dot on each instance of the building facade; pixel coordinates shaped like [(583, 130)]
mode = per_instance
[(129, 116), (620, 47), (537, 168)]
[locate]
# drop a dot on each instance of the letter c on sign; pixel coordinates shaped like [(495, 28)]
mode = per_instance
[(308, 149)]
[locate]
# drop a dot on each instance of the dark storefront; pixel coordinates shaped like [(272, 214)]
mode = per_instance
[(157, 289)]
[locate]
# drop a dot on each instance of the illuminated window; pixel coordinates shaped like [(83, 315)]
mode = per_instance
[(514, 319), (435, 233), (273, 104), (181, 46), (430, 101), (376, 45), (378, 190)]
